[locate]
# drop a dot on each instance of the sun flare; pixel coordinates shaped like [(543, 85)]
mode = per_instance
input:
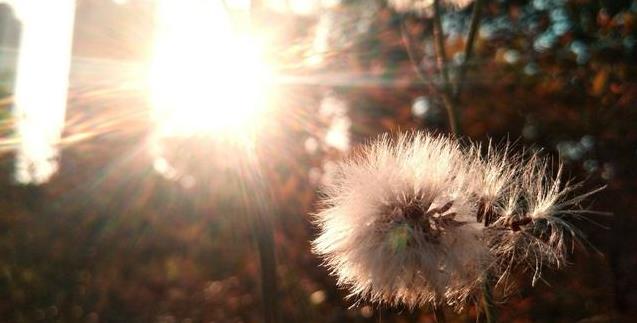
[(205, 76)]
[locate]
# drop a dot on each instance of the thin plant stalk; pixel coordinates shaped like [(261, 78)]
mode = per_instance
[(441, 60), (262, 230), (414, 56), (439, 314), (258, 211), (487, 303), (439, 39), (261, 221), (450, 97), (476, 16)]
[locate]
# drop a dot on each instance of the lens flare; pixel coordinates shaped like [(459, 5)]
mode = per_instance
[(205, 77), (41, 87)]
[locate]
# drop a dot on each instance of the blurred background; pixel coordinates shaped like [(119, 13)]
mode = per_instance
[(122, 192)]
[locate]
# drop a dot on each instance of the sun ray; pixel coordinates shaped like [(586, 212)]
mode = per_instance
[(41, 85), (205, 77)]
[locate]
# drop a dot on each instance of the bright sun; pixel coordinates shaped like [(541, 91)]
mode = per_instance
[(205, 78)]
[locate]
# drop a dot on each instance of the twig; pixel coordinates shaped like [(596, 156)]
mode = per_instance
[(446, 99), (452, 113), (441, 59), (439, 39), (413, 55), (468, 51)]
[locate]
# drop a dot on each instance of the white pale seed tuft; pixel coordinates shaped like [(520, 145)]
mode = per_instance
[(418, 220), (549, 206), (397, 227)]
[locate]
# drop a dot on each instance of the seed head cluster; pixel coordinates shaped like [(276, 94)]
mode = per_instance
[(422, 219)]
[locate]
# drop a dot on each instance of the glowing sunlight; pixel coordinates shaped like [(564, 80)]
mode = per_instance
[(41, 85), (205, 76)]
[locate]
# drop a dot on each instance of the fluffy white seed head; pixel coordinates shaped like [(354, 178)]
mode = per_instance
[(534, 219), (397, 226), (495, 180), (419, 220)]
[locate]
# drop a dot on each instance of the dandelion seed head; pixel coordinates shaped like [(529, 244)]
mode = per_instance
[(541, 191), (535, 229), (395, 227), (421, 220), (495, 181)]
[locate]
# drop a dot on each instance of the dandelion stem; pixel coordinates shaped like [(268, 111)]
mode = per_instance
[(439, 314), (261, 219), (441, 60), (257, 211), (487, 302), (265, 244)]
